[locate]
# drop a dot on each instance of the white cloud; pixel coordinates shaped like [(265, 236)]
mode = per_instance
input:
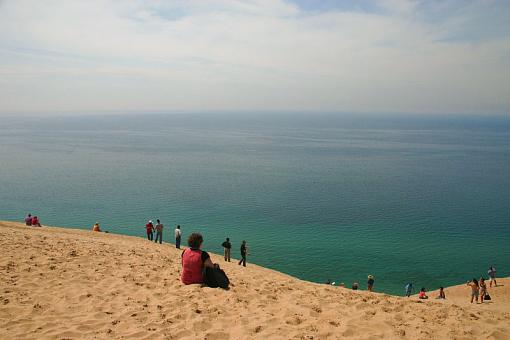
[(243, 55)]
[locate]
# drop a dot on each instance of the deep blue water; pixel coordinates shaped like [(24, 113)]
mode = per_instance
[(318, 196)]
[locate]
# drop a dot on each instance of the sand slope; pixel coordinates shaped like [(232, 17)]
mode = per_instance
[(70, 284)]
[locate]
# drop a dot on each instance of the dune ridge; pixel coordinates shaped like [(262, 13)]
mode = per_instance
[(60, 283)]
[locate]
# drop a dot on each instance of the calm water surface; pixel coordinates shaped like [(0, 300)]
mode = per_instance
[(421, 199)]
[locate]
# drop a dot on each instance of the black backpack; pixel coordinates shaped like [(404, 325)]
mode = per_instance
[(216, 278)]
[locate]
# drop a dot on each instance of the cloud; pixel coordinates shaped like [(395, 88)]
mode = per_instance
[(406, 56)]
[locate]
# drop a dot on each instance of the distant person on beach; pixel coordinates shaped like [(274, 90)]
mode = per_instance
[(370, 282), (159, 232), (35, 222), (441, 293), (28, 220), (483, 289), (96, 227), (149, 227), (194, 261), (422, 294), (226, 247), (475, 289), (244, 251), (178, 234), (409, 289), (355, 286), (492, 276)]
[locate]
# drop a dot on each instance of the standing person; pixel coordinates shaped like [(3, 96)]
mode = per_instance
[(226, 247), (244, 251), (159, 232), (441, 293), (370, 283), (178, 234), (28, 220), (35, 222), (492, 276), (483, 289), (409, 289), (149, 227), (475, 289), (194, 260)]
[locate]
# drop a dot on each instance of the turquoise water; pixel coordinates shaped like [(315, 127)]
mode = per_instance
[(421, 199)]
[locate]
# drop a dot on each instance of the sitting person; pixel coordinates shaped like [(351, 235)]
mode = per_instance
[(355, 286), (35, 222), (96, 227), (194, 260), (422, 294), (441, 293), (28, 220)]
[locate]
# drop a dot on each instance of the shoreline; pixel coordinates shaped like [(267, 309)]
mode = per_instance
[(74, 283)]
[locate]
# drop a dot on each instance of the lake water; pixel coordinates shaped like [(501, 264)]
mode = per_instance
[(317, 196)]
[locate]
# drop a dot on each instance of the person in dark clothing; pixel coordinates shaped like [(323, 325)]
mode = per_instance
[(227, 246), (244, 251)]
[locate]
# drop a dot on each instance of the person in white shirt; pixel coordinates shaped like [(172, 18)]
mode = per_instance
[(178, 234)]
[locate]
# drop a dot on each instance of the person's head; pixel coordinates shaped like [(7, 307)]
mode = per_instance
[(475, 281), (157, 221), (29, 215), (195, 240), (244, 242), (178, 227), (228, 240), (422, 289), (97, 223)]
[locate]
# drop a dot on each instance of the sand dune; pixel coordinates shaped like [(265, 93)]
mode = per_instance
[(70, 284)]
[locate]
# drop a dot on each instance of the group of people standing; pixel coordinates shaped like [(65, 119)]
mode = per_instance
[(150, 228)]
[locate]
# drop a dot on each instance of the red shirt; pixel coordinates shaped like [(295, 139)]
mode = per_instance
[(149, 227)]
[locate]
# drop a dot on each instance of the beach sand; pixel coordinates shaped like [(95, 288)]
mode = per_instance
[(58, 283)]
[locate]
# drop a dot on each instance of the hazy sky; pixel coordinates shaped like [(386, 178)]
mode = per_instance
[(306, 55)]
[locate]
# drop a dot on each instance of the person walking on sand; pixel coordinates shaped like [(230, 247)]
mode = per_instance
[(149, 227), (96, 227), (178, 234), (475, 289), (28, 220), (244, 251), (492, 276), (35, 222), (159, 232), (483, 289), (226, 247), (409, 289), (370, 283)]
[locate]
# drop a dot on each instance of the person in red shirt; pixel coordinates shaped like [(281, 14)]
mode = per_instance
[(35, 222), (150, 230), (194, 260)]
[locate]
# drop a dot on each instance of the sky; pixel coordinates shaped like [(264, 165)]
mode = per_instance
[(405, 56)]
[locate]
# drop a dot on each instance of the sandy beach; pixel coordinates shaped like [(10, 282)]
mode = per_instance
[(59, 283)]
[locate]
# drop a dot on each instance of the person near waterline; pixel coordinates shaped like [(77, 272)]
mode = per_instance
[(96, 227), (194, 261), (422, 294), (492, 276), (244, 251), (483, 289), (355, 286), (409, 289), (475, 289), (178, 234), (441, 294), (35, 222), (159, 232), (149, 227), (226, 247), (28, 220), (370, 282)]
